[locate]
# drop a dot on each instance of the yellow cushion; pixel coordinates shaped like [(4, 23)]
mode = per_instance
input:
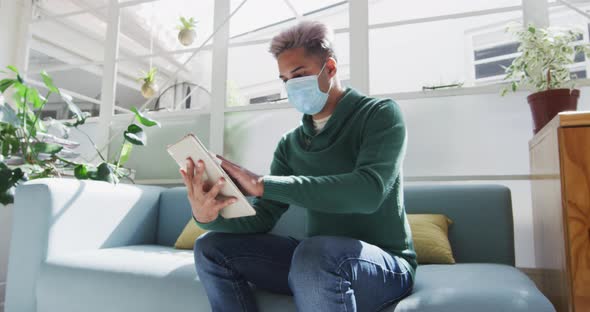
[(431, 240), (187, 238)]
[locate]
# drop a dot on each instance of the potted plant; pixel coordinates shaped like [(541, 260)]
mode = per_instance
[(28, 151), (149, 87), (187, 34), (545, 54)]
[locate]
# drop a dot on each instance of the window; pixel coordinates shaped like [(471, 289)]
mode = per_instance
[(409, 56), (494, 49), (149, 38)]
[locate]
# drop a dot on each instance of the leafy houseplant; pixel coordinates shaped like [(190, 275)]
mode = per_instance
[(28, 151), (149, 87), (187, 34), (542, 65)]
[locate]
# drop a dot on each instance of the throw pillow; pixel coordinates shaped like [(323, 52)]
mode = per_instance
[(431, 241)]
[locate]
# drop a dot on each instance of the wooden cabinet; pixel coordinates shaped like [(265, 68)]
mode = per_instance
[(560, 168)]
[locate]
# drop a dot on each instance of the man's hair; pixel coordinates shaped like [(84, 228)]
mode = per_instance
[(314, 37)]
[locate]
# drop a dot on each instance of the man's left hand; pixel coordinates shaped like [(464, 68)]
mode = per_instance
[(248, 182)]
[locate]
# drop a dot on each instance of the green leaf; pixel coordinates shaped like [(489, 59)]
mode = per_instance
[(5, 84), (104, 173), (532, 29), (34, 97), (19, 96), (6, 198), (514, 86), (144, 120), (135, 135), (8, 179), (12, 68), (18, 76), (17, 174), (47, 148), (81, 172), (125, 153), (49, 82)]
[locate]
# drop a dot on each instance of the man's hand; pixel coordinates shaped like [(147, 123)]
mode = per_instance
[(248, 182), (202, 195)]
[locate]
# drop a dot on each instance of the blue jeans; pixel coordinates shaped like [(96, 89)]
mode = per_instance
[(323, 273)]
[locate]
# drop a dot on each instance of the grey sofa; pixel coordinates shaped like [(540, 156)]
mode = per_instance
[(90, 246)]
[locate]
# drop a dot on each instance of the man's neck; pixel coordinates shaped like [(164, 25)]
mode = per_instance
[(335, 95)]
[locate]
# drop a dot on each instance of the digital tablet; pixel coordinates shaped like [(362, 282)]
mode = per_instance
[(190, 146)]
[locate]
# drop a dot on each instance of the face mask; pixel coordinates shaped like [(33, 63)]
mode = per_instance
[(305, 95)]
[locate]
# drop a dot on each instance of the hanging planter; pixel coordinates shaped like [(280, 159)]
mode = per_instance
[(187, 34), (149, 87)]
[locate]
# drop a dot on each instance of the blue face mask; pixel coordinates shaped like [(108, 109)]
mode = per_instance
[(305, 95)]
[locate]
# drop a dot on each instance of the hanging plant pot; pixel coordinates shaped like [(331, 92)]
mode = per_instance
[(187, 33), (149, 89), (547, 104), (187, 36)]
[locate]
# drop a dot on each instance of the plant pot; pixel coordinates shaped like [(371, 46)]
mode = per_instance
[(547, 104), (149, 89), (187, 36)]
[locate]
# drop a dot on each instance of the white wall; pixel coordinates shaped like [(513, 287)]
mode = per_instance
[(10, 13)]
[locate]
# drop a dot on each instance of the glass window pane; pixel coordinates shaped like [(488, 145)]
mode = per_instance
[(383, 11), (83, 84), (158, 21), (410, 57), (47, 8), (310, 6), (249, 24), (562, 16), (255, 15), (190, 89), (149, 37), (75, 39)]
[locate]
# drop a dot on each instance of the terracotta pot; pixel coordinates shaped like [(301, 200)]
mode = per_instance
[(547, 104)]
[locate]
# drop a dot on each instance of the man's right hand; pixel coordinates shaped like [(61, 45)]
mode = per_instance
[(202, 195)]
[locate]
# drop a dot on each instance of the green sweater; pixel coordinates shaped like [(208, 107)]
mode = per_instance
[(348, 177)]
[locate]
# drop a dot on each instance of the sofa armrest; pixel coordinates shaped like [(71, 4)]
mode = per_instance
[(54, 217)]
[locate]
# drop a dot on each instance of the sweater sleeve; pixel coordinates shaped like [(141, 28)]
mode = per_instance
[(365, 188), (268, 211)]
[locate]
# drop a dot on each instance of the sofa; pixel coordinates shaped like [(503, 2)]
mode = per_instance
[(92, 246)]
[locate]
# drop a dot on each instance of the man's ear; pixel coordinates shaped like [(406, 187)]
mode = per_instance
[(331, 67)]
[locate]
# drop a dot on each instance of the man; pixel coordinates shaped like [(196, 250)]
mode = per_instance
[(343, 164)]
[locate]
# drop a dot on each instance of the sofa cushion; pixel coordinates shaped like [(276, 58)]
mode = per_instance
[(129, 278), (477, 287), (121, 279)]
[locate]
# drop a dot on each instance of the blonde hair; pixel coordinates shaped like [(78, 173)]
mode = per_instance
[(314, 37)]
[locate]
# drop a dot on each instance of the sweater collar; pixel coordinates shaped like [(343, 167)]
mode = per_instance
[(345, 106)]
